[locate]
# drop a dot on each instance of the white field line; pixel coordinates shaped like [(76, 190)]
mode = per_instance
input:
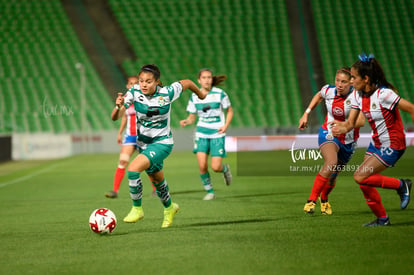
[(3, 184)]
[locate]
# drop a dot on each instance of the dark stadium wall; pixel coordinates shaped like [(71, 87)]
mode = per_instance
[(6, 148)]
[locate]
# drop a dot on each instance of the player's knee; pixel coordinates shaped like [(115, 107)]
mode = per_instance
[(358, 178), (217, 167), (123, 160)]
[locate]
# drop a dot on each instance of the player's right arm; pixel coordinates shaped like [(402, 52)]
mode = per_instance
[(303, 122), (343, 127), (119, 109), (189, 120)]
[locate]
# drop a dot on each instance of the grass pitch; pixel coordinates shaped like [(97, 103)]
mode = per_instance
[(255, 226)]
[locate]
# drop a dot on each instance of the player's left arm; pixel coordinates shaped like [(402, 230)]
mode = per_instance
[(229, 118), (188, 84), (406, 106)]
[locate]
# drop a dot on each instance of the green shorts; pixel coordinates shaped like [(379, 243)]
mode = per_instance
[(212, 146), (156, 153)]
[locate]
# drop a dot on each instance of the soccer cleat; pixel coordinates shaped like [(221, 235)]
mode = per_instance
[(378, 222), (111, 194), (227, 175), (404, 192), (135, 214), (209, 197), (326, 208), (309, 207), (169, 214)]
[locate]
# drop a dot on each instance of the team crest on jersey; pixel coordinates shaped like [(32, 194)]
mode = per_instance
[(337, 111), (348, 102), (374, 106), (161, 101)]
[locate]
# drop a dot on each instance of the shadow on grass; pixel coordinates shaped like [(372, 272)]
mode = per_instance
[(263, 195), (187, 192), (215, 223)]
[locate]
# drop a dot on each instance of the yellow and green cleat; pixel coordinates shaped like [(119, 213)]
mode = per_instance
[(135, 214), (169, 214)]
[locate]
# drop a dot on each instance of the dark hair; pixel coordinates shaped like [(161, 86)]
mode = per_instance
[(217, 79), (344, 70), (369, 66), (151, 68)]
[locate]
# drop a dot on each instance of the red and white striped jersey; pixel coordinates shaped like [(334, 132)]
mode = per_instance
[(131, 125), (384, 118), (338, 108)]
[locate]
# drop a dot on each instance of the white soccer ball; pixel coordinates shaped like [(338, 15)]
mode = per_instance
[(102, 221)]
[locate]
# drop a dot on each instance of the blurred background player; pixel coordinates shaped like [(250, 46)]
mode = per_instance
[(155, 142), (336, 151), (378, 100), (211, 128), (128, 142)]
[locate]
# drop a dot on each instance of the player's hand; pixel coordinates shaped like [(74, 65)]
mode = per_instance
[(338, 127), (222, 130), (183, 123), (119, 139), (119, 101), (303, 122)]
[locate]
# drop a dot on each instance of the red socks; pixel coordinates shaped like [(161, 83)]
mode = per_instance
[(373, 200), (326, 190), (317, 188), (368, 187), (379, 180), (119, 175)]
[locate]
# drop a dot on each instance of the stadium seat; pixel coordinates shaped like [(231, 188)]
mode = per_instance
[(39, 54), (381, 27), (231, 37)]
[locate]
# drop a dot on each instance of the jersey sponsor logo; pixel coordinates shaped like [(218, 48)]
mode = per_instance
[(209, 119), (337, 111)]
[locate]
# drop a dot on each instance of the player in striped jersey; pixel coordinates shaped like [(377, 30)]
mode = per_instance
[(336, 151), (152, 106), (378, 100), (128, 142), (211, 128)]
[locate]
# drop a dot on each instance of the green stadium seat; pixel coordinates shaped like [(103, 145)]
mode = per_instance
[(228, 43)]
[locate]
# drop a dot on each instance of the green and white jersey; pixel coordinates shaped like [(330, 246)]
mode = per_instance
[(153, 113), (210, 112)]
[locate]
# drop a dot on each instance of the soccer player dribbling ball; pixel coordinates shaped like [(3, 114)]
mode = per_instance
[(336, 151), (155, 142), (128, 142), (378, 100), (211, 128)]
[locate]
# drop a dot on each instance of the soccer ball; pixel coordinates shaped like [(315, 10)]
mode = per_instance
[(102, 220)]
